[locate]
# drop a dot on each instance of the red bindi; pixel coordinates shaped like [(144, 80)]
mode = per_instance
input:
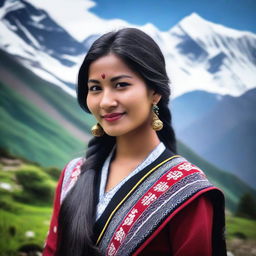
[(103, 76)]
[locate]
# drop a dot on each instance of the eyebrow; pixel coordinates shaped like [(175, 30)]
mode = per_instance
[(113, 79)]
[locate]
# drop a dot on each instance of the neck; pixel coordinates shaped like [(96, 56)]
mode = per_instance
[(136, 146)]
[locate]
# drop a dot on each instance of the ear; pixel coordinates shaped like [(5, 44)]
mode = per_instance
[(156, 97)]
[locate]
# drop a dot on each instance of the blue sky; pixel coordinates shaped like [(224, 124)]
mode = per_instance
[(238, 14)]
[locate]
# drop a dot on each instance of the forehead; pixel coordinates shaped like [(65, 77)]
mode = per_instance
[(109, 65)]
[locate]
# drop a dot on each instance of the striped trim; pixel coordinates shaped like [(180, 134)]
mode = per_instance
[(124, 199)]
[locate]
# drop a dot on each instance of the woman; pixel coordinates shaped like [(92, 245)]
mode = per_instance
[(131, 194)]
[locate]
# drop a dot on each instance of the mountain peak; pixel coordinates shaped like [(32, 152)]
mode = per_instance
[(9, 6), (195, 25), (194, 17), (149, 28)]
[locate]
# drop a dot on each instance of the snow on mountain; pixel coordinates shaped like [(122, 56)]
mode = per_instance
[(76, 17), (211, 57), (200, 55), (40, 43)]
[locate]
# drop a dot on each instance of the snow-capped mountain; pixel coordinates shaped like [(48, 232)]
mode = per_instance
[(200, 55), (39, 42), (205, 56)]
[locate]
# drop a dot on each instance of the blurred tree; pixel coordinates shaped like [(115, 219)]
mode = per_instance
[(54, 172), (246, 207), (37, 185)]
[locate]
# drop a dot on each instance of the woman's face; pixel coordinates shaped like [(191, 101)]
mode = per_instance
[(118, 97)]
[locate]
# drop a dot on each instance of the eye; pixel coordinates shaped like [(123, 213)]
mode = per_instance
[(122, 85), (94, 88)]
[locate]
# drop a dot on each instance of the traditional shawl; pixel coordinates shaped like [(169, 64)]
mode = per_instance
[(144, 205)]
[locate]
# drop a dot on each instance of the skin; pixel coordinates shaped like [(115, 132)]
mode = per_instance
[(122, 91)]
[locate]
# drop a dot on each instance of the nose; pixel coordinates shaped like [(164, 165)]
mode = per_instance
[(108, 100)]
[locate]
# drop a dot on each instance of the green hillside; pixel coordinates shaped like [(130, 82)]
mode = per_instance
[(26, 195), (60, 100), (27, 131), (232, 186)]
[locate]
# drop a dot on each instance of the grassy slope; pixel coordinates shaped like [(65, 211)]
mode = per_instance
[(28, 132), (60, 100), (29, 218), (21, 217), (232, 186), (237, 225)]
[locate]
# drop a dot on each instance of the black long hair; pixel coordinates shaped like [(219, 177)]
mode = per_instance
[(142, 55)]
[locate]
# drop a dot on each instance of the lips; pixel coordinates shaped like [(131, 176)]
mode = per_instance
[(113, 116)]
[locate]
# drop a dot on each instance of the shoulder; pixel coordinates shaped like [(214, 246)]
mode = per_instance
[(181, 167), (70, 174), (196, 179), (189, 178)]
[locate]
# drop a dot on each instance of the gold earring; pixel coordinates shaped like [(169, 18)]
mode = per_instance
[(157, 124), (97, 130)]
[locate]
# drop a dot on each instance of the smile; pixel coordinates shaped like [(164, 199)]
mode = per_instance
[(112, 117)]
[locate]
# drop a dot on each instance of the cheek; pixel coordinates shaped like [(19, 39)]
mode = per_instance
[(88, 103), (141, 109), (91, 104)]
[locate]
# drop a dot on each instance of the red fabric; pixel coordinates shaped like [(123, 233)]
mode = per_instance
[(51, 241), (189, 233)]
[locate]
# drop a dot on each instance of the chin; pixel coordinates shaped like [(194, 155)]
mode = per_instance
[(115, 131)]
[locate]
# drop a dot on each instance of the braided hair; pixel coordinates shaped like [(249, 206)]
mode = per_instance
[(142, 55)]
